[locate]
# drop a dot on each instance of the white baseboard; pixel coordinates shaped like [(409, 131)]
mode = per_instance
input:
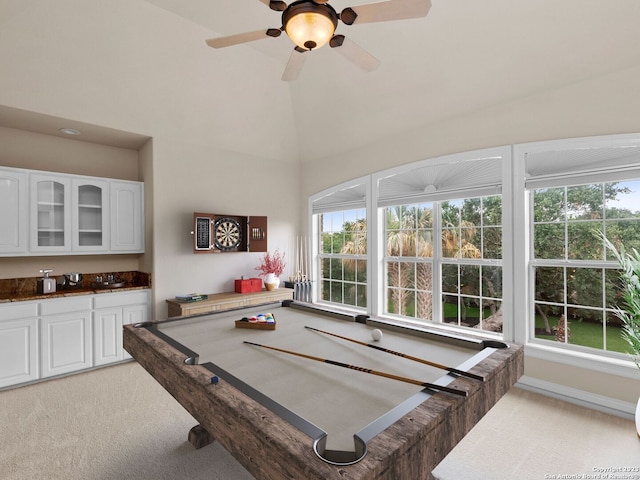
[(579, 397)]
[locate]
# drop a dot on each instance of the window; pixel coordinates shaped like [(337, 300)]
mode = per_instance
[(502, 240), (471, 262), (409, 260), (440, 224), (469, 255), (343, 257), (574, 276)]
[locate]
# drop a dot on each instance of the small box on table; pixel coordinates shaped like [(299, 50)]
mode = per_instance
[(192, 297), (249, 285), (262, 321), (255, 326)]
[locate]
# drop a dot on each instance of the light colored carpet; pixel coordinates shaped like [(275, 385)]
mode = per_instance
[(112, 423), (529, 436), (118, 423)]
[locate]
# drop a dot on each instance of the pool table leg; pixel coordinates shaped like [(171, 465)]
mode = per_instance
[(199, 437)]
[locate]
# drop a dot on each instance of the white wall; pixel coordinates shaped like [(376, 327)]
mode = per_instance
[(601, 106), (22, 149), (127, 65), (211, 180)]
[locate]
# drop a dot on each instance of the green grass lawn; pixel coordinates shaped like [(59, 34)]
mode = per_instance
[(450, 310), (588, 334), (582, 333)]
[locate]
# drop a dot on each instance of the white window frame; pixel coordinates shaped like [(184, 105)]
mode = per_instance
[(384, 308), (502, 186), (327, 205), (517, 281), (522, 265)]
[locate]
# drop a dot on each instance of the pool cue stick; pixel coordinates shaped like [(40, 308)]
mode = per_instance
[(366, 370), (403, 355)]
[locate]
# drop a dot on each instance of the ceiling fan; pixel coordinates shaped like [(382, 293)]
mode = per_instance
[(310, 24)]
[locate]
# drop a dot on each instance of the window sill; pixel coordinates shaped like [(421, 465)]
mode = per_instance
[(599, 363)]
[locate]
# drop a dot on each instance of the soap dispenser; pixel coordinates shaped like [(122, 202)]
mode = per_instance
[(46, 284)]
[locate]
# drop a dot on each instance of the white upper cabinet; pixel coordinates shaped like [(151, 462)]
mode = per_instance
[(47, 213), (50, 200), (14, 213), (90, 219), (127, 216)]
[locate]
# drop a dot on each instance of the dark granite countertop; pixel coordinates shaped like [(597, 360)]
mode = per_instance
[(25, 289)]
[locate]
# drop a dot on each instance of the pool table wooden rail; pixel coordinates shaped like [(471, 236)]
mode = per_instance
[(272, 449)]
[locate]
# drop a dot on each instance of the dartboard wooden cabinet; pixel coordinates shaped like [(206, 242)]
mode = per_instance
[(215, 233)]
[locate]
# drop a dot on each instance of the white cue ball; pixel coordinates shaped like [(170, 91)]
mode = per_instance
[(376, 334)]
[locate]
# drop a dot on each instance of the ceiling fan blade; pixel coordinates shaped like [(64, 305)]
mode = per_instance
[(230, 40), (385, 11), (354, 53), (294, 65), (276, 5)]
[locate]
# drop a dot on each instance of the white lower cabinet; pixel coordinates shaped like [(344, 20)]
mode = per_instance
[(107, 337), (112, 312), (18, 343), (42, 339), (65, 335), (65, 342), (134, 314)]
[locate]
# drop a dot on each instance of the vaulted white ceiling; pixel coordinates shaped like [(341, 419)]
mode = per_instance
[(465, 56)]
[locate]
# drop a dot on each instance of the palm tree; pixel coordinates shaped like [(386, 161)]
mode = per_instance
[(355, 244), (397, 242), (408, 235), (424, 282), (457, 242)]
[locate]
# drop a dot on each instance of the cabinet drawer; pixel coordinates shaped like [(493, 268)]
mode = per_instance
[(65, 305), (14, 311), (106, 300), (200, 309)]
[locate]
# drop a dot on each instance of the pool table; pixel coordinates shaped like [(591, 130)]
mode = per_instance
[(314, 396)]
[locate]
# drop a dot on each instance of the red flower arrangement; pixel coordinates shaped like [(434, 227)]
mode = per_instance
[(272, 263)]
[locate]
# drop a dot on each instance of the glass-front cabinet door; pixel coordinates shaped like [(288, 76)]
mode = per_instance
[(90, 215), (50, 213)]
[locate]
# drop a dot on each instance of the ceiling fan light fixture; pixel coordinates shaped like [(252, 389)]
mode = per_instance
[(309, 25)]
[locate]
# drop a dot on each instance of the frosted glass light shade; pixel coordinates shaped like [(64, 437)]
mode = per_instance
[(310, 30)]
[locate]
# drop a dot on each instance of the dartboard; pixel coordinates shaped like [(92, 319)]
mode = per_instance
[(227, 234)]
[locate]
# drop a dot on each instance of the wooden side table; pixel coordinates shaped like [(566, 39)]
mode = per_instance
[(218, 302)]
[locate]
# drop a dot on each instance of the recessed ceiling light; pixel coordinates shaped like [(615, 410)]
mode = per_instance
[(70, 131)]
